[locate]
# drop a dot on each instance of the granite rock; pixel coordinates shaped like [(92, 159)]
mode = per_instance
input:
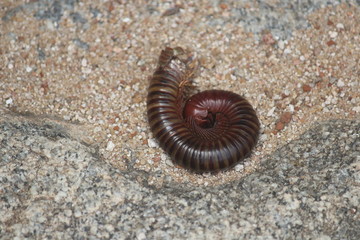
[(56, 186)]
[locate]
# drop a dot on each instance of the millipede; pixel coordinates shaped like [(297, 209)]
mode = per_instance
[(210, 131)]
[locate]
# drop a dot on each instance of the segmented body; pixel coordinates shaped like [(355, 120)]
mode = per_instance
[(211, 131)]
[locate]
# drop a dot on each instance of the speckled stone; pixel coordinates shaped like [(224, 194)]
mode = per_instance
[(55, 186), (280, 17)]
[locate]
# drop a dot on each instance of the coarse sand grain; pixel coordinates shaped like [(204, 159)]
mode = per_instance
[(93, 69)]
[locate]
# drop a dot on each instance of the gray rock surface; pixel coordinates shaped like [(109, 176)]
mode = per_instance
[(281, 17), (55, 186)]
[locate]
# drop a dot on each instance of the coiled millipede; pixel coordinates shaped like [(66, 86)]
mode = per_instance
[(211, 131)]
